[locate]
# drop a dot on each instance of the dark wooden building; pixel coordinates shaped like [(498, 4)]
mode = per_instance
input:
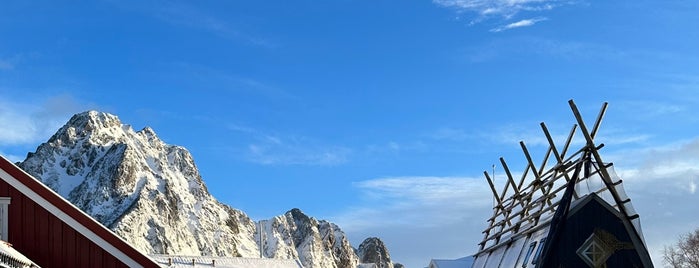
[(52, 232), (570, 210)]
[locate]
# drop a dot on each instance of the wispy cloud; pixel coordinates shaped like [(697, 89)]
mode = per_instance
[(440, 213), (502, 10), (427, 190), (447, 213), (649, 109), (505, 8), (208, 78), (531, 134), (27, 123), (11, 62), (451, 134), (661, 182), (270, 149), (555, 49), (6, 65), (12, 157), (294, 153), (518, 24)]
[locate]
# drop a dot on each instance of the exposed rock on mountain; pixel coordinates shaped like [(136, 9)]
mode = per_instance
[(373, 250), (151, 194), (148, 192), (315, 243)]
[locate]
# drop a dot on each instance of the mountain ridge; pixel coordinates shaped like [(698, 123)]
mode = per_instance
[(151, 194)]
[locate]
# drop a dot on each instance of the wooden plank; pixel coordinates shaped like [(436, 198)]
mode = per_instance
[(69, 246), (108, 261), (509, 176), (28, 236), (529, 159), (492, 188), (95, 255), (4, 188), (83, 251), (568, 141), (546, 160), (15, 227), (41, 225), (56, 239), (598, 121)]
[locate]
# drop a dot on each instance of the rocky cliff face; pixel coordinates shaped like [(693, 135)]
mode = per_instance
[(315, 243), (151, 194), (373, 250), (148, 192)]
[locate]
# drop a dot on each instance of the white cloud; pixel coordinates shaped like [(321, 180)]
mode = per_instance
[(425, 202), (649, 110), (206, 78), (555, 49), (427, 190), (502, 8), (420, 217), (6, 65), (9, 63), (269, 149), (28, 123), (283, 153), (661, 184), (451, 134), (444, 215), (518, 24), (12, 157)]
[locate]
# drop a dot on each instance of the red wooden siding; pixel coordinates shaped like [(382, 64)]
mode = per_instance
[(47, 240)]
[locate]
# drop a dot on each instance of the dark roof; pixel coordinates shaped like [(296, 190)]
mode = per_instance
[(526, 206)]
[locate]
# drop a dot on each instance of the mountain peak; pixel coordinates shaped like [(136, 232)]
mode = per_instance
[(152, 195), (140, 187), (148, 131), (373, 250), (93, 119)]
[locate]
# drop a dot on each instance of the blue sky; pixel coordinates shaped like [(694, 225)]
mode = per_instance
[(378, 115)]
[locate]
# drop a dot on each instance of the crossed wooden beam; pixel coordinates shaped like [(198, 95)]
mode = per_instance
[(527, 205)]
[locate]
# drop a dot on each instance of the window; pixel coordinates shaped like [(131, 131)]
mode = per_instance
[(538, 250), (4, 203), (529, 253)]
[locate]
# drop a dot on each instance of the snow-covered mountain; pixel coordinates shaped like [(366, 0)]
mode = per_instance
[(148, 192), (315, 243), (151, 194), (373, 250)]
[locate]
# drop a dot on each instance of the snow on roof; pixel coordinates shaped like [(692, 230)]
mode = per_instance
[(464, 262), (12, 258), (224, 262)]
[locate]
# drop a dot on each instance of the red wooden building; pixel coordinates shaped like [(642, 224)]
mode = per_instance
[(53, 232)]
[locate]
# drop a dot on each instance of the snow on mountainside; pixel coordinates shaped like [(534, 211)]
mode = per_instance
[(148, 192), (315, 243), (373, 250), (151, 194)]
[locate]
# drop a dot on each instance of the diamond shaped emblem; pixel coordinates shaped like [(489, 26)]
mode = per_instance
[(595, 252)]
